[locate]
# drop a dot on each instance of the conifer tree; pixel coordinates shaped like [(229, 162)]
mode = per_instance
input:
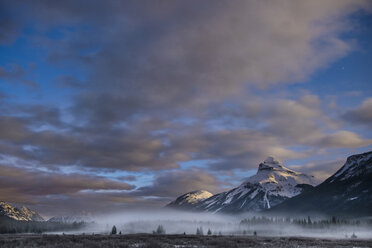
[(113, 230), (199, 231), (160, 230)]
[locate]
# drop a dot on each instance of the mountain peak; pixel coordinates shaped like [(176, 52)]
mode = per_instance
[(270, 163), (271, 160)]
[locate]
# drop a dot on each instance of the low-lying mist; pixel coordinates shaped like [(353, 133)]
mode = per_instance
[(177, 222)]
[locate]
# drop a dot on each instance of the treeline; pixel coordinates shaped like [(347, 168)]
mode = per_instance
[(14, 226), (307, 222)]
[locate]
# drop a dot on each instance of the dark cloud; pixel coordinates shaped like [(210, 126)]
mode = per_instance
[(69, 81), (17, 74), (321, 170), (126, 178), (33, 115), (19, 184), (2, 96), (12, 129), (9, 27), (173, 184), (343, 139), (361, 114)]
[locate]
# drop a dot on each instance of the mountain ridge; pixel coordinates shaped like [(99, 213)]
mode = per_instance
[(71, 218), (23, 213), (347, 192)]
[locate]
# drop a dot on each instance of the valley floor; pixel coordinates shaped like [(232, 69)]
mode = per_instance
[(155, 241)]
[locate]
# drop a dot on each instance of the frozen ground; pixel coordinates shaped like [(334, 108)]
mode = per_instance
[(155, 241)]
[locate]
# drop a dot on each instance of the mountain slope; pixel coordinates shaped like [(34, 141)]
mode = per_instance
[(189, 200), (15, 213), (347, 192)]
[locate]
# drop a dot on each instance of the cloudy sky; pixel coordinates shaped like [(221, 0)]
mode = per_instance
[(108, 105)]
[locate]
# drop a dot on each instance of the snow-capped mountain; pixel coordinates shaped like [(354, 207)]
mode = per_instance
[(272, 184), (21, 213), (189, 200), (347, 192)]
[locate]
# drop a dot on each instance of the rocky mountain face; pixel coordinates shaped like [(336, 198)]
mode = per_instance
[(22, 213), (347, 192), (272, 184), (190, 200)]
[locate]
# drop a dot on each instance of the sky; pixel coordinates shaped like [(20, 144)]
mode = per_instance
[(114, 105)]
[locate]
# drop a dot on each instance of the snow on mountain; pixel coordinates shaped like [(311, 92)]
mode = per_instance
[(22, 213), (190, 199), (347, 192), (279, 180), (272, 184)]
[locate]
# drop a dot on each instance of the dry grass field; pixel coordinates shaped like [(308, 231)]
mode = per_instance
[(157, 241)]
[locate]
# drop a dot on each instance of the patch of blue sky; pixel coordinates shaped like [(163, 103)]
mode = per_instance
[(57, 33), (197, 163), (33, 58), (24, 164), (120, 125), (30, 148), (350, 74), (46, 127), (141, 178), (228, 123)]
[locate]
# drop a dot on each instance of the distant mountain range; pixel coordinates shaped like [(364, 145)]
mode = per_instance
[(272, 184), (347, 192), (22, 213), (277, 189), (71, 218), (11, 212)]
